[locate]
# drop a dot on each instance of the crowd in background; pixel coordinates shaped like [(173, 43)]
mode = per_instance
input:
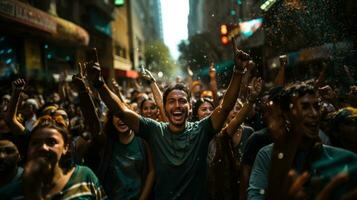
[(90, 139)]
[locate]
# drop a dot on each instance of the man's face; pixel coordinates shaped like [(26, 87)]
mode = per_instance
[(306, 113), (9, 157), (177, 107)]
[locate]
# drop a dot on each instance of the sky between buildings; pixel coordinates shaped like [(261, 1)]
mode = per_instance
[(174, 21)]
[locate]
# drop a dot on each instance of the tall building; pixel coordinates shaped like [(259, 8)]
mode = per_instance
[(195, 17), (136, 23), (145, 25)]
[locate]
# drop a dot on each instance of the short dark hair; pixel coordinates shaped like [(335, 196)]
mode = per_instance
[(178, 86), (296, 89)]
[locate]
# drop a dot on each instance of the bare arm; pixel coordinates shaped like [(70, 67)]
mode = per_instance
[(256, 87), (213, 83), (156, 93), (88, 109), (219, 114), (190, 77), (11, 120), (150, 178), (112, 101), (116, 90)]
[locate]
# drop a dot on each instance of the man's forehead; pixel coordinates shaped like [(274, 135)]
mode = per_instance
[(307, 98), (177, 93)]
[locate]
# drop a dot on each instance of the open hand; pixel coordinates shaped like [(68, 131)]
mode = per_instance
[(147, 75)]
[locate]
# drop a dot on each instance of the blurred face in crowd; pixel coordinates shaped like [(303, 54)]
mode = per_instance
[(149, 109), (4, 102), (177, 107), (9, 157), (196, 90), (55, 97), (233, 113), (204, 110), (63, 114), (48, 145), (27, 110), (306, 112), (120, 125)]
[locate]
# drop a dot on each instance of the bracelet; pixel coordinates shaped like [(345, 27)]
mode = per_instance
[(241, 72)]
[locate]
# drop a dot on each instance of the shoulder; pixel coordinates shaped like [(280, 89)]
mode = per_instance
[(248, 129), (83, 173), (338, 152), (265, 152), (12, 190), (147, 122)]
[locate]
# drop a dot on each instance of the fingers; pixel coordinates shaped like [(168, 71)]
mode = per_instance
[(298, 183), (19, 83), (325, 193)]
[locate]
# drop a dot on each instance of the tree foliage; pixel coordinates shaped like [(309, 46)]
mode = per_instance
[(158, 58), (198, 51)]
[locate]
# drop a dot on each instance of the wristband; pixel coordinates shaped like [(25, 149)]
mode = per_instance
[(241, 72)]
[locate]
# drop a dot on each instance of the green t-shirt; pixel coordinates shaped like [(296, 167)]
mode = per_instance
[(180, 159), (124, 177), (82, 185)]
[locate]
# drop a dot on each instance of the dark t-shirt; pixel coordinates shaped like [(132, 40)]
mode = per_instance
[(180, 159), (255, 142)]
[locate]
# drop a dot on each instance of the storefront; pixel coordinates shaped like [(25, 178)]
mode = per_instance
[(39, 44)]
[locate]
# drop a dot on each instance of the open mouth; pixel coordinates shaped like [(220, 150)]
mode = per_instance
[(178, 115)]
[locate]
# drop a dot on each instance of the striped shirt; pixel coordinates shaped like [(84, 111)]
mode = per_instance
[(83, 184)]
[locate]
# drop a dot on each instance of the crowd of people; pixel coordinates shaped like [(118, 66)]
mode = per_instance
[(93, 140)]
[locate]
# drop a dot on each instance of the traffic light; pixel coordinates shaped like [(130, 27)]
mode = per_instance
[(224, 34), (119, 3)]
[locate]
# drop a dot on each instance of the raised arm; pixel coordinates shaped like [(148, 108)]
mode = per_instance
[(88, 109), (11, 120), (111, 100), (256, 87), (221, 112), (189, 77), (116, 90), (156, 92), (213, 83)]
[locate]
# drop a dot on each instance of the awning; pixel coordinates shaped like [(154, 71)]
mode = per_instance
[(132, 74), (126, 73), (50, 26)]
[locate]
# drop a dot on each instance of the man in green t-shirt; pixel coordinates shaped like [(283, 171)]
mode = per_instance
[(179, 147)]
